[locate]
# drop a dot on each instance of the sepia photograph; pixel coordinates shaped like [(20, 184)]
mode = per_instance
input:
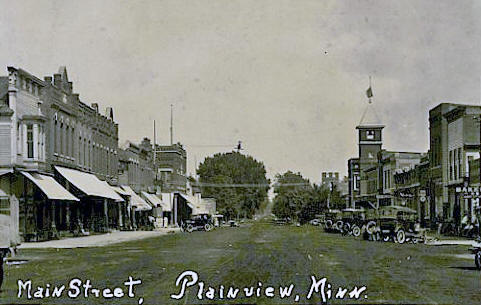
[(240, 152)]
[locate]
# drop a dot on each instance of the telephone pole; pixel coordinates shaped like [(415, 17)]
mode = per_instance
[(155, 148), (171, 124)]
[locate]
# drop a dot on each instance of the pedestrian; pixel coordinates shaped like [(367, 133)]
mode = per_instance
[(465, 225)]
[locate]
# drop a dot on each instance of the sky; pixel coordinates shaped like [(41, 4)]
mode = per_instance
[(287, 78)]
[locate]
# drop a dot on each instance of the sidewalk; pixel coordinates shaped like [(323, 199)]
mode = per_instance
[(453, 242), (97, 240)]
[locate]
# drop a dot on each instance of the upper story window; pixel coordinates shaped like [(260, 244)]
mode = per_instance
[(370, 134), (30, 141), (4, 206)]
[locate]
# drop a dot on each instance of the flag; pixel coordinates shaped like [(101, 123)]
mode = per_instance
[(369, 92)]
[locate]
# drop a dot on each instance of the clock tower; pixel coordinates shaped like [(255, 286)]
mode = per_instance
[(370, 137)]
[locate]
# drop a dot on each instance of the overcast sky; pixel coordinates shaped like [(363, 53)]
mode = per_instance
[(288, 78)]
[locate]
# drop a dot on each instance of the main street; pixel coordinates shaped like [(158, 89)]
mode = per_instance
[(242, 257)]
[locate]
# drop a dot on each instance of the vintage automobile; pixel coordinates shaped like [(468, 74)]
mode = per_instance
[(202, 222), (353, 221), (399, 224), (233, 223), (333, 221)]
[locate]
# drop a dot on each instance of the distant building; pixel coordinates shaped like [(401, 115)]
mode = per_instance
[(354, 179), (136, 167), (412, 189), (362, 170), (329, 177), (390, 163), (171, 168)]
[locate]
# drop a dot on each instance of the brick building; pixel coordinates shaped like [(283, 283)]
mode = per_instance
[(171, 164), (364, 167), (454, 141), (52, 145), (390, 163), (354, 179), (136, 167)]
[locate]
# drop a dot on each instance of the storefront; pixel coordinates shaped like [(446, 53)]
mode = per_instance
[(44, 207), (99, 209), (141, 209)]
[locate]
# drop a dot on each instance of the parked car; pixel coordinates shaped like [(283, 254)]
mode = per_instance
[(315, 222), (233, 223), (353, 221), (399, 224), (202, 222), (334, 221)]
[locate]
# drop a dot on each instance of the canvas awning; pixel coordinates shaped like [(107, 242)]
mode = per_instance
[(51, 188), (137, 202), (189, 199), (112, 188), (120, 191), (88, 183), (4, 171), (152, 199), (166, 202)]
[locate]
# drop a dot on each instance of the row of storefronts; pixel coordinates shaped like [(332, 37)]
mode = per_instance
[(62, 171), (437, 184), (76, 203)]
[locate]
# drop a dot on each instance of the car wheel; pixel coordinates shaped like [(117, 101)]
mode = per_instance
[(370, 227), (477, 260), (356, 231), (189, 228), (346, 227), (386, 238), (207, 227), (339, 225), (401, 236), (328, 224)]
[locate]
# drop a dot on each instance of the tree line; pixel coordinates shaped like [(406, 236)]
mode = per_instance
[(239, 184)]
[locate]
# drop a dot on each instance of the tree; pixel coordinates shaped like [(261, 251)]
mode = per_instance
[(298, 199), (222, 176), (292, 192)]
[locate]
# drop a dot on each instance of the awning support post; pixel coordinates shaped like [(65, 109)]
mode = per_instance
[(121, 224), (67, 215), (52, 222), (176, 201), (106, 214)]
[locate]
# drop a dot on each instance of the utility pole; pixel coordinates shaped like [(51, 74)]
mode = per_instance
[(171, 124), (155, 152)]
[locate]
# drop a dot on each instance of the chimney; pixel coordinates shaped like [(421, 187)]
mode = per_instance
[(95, 106), (70, 87), (109, 113), (57, 80), (48, 79)]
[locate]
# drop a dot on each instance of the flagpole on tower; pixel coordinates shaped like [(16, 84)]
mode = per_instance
[(369, 91)]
